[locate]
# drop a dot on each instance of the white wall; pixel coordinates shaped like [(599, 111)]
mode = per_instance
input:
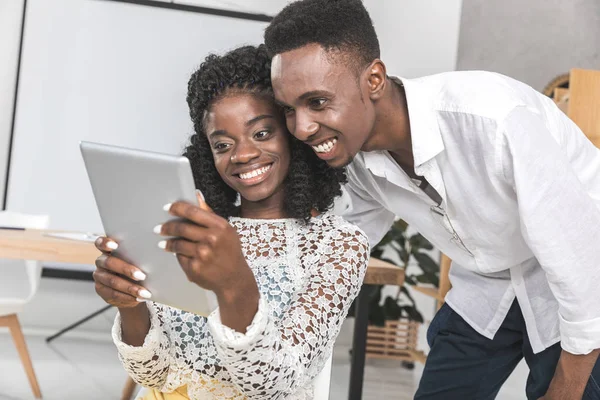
[(11, 12), (107, 72), (268, 7)]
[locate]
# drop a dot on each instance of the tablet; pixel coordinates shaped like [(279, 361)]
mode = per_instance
[(131, 187)]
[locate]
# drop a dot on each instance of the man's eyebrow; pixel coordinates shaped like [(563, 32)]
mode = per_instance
[(313, 93), (304, 96)]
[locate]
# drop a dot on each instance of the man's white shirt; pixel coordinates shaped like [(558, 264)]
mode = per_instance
[(520, 204)]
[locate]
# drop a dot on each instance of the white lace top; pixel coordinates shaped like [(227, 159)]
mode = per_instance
[(307, 274)]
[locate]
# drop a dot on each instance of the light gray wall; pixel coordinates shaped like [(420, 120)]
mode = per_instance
[(532, 41), (416, 37)]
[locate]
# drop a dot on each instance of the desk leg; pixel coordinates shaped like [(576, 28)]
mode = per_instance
[(76, 324), (359, 343)]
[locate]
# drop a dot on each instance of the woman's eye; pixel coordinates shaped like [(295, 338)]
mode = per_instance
[(288, 110), (317, 103), (220, 146)]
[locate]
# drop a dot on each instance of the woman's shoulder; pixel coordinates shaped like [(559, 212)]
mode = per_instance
[(336, 226)]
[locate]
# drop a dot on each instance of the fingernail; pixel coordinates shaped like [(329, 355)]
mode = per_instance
[(139, 276), (162, 244), (140, 300), (157, 229), (101, 259), (112, 245), (200, 194), (167, 207), (144, 294)]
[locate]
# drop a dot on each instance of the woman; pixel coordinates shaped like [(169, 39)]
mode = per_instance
[(284, 270)]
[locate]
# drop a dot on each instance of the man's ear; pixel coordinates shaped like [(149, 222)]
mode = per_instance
[(376, 79)]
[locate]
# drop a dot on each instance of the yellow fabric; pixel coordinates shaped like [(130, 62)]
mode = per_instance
[(178, 394)]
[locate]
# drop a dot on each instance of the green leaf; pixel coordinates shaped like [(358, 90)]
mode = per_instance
[(412, 313), (384, 241), (405, 291), (376, 253), (391, 309), (418, 241), (410, 280), (376, 315), (426, 263), (389, 260), (428, 278)]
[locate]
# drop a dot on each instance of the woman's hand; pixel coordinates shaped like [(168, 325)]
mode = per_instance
[(115, 283), (209, 251), (116, 280)]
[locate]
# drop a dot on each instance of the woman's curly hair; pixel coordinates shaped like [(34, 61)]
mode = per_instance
[(310, 184)]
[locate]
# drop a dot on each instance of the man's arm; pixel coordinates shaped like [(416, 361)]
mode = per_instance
[(571, 376), (560, 220)]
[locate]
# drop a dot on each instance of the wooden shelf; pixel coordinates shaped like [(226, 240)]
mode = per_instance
[(429, 291)]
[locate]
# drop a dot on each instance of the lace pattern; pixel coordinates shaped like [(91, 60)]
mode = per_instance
[(307, 274)]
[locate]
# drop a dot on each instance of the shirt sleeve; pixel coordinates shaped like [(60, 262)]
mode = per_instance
[(560, 218), (361, 209), (148, 364), (275, 357)]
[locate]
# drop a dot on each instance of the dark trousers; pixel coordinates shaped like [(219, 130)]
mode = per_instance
[(464, 365)]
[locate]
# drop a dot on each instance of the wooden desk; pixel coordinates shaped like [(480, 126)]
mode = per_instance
[(34, 245)]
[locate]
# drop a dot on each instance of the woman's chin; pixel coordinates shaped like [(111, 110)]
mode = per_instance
[(256, 196)]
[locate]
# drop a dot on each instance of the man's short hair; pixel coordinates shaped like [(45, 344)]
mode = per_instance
[(337, 25)]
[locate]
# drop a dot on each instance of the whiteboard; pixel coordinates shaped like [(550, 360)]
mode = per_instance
[(108, 72)]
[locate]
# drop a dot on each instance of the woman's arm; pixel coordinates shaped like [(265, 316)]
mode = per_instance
[(273, 358)]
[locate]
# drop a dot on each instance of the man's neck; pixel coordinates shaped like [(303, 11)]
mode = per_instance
[(392, 125)]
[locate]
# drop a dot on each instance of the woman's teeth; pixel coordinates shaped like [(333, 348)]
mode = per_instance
[(256, 172), (325, 147)]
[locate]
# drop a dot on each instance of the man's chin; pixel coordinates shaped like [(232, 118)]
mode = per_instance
[(340, 162)]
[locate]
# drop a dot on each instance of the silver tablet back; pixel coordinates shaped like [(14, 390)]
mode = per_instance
[(131, 188)]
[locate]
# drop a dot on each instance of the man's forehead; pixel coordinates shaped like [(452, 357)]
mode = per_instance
[(304, 69), (299, 62)]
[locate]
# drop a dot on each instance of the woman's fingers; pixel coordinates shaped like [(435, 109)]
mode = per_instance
[(195, 214), (106, 245), (118, 266), (180, 246), (117, 299), (202, 203), (181, 229), (118, 284)]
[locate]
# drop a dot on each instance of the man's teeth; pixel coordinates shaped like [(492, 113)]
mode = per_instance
[(325, 147), (256, 172)]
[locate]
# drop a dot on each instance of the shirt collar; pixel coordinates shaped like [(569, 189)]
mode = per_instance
[(426, 137)]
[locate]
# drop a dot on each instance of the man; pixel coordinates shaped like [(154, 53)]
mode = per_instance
[(490, 171)]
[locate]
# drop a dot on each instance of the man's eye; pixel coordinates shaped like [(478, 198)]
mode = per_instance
[(317, 103), (261, 134)]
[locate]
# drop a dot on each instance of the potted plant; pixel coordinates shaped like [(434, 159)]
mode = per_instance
[(394, 320)]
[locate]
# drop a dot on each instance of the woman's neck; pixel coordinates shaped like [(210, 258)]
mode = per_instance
[(269, 208)]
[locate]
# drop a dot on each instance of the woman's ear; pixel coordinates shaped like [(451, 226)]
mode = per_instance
[(376, 79)]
